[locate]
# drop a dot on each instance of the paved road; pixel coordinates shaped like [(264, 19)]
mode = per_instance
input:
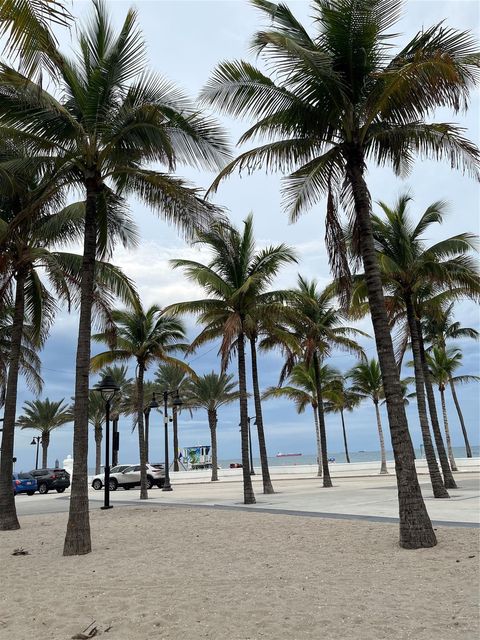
[(372, 498)]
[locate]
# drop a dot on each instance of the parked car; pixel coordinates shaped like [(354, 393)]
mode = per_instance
[(47, 479), (130, 477), (98, 480), (24, 483)]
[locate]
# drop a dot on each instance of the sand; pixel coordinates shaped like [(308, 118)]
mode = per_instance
[(182, 573)]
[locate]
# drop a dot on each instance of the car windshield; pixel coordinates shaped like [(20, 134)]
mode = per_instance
[(25, 476)]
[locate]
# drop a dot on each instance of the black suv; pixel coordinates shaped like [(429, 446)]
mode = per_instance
[(47, 479)]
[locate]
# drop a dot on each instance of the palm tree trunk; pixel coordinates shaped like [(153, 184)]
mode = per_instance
[(439, 490), (176, 466), (267, 483), (319, 443), (8, 513), (415, 526), (114, 449), (147, 434), (248, 495), (383, 465), (212, 423), (141, 434), (460, 417), (447, 430), (327, 481), (345, 437), (77, 538), (448, 478), (45, 443), (98, 448)]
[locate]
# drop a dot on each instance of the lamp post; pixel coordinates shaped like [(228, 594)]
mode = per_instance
[(36, 440), (153, 404), (176, 403), (108, 388)]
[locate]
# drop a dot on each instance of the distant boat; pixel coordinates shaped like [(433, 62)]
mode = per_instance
[(287, 455)]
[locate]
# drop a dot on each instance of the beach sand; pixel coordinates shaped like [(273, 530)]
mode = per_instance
[(182, 573)]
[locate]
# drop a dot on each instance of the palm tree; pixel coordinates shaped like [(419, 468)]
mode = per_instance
[(96, 417), (443, 364), (333, 103), (29, 362), (119, 374), (312, 328), (438, 326), (146, 336), (35, 276), (302, 390), (128, 406), (237, 280), (170, 377), (367, 382), (408, 266), (110, 122), (44, 416), (210, 392), (338, 398)]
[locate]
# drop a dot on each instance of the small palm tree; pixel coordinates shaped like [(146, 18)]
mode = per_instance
[(236, 280), (44, 416), (170, 377), (310, 328), (367, 382), (210, 392), (438, 326), (146, 336), (338, 398), (443, 364)]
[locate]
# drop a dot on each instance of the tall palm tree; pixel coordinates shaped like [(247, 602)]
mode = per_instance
[(110, 122), (443, 364), (310, 328), (44, 416), (438, 326), (170, 377), (146, 336), (338, 398), (96, 417), (367, 381), (210, 392), (407, 266), (119, 374), (35, 276), (236, 280), (334, 103)]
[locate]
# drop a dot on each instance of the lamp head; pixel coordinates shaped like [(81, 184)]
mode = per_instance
[(33, 441), (153, 402), (177, 401), (107, 387)]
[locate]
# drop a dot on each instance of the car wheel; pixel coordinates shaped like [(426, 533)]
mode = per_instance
[(149, 482), (113, 484), (97, 484), (30, 493), (126, 487), (61, 490), (160, 483), (42, 488)]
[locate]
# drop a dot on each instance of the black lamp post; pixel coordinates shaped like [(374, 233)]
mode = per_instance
[(177, 402), (36, 440), (108, 388)]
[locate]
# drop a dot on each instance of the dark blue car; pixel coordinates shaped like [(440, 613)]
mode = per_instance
[(24, 483)]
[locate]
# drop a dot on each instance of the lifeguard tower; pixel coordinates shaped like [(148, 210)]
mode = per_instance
[(198, 457)]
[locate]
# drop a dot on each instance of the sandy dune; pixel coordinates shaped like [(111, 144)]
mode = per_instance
[(180, 573)]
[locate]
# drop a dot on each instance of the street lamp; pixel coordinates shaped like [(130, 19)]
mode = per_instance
[(36, 440), (108, 388), (177, 402)]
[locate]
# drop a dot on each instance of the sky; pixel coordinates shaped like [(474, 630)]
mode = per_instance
[(186, 40)]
